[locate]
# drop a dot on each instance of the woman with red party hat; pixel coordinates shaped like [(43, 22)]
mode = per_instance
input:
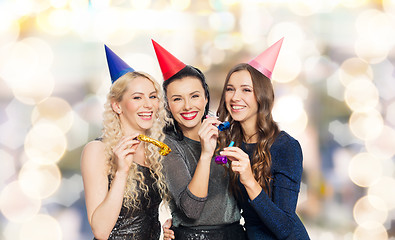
[(123, 179), (266, 163), (201, 205)]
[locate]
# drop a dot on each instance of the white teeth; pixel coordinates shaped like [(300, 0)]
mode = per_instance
[(189, 115), (145, 114), (237, 107)]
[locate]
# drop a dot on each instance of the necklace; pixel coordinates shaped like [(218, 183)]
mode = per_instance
[(248, 139)]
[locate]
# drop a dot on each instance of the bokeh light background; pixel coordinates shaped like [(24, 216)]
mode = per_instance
[(334, 83)]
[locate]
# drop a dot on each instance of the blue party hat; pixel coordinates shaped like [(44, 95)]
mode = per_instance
[(116, 65)]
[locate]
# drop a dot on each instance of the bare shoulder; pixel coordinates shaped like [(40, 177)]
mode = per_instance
[(93, 156)]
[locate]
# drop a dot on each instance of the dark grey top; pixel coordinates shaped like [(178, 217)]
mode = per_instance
[(219, 207)]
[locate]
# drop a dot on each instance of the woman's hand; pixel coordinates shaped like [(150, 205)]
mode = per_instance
[(124, 152), (208, 134), (240, 164), (167, 232)]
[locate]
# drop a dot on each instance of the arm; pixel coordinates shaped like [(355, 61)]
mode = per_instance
[(103, 204), (189, 188), (277, 213)]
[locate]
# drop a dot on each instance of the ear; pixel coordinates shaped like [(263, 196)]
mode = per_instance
[(116, 107)]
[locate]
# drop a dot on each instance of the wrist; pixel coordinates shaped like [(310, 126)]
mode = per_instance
[(206, 156), (121, 174)]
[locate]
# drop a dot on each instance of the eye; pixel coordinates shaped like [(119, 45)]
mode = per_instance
[(247, 90), (228, 89), (176, 99), (195, 95), (136, 97), (153, 97)]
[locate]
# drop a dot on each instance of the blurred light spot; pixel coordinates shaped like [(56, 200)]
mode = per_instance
[(318, 68), (100, 4), (213, 55), (56, 22), (41, 227), (79, 4), (7, 167), (224, 41), (354, 68), (222, 21), (334, 87), (288, 67), (369, 231), (389, 6), (383, 145), (17, 124), (370, 208), (91, 109), (353, 3), (69, 191), (19, 63), (15, 205), (371, 51), (361, 95), (375, 36), (55, 111), (390, 116), (366, 125), (364, 169), (384, 188), (9, 29), (294, 38), (262, 21), (35, 90), (10, 230), (59, 3), (180, 5), (39, 181), (46, 142), (341, 133), (140, 4), (306, 7), (375, 26), (78, 134), (288, 111)]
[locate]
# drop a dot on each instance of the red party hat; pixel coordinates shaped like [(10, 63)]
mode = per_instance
[(169, 64), (265, 61)]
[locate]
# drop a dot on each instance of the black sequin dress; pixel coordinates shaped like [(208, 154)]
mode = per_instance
[(142, 223)]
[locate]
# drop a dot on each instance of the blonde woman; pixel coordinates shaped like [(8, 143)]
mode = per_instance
[(122, 176)]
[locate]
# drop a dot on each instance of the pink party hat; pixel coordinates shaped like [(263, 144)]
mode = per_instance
[(265, 61)]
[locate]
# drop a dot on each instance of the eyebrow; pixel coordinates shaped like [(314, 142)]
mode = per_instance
[(244, 85), (179, 95), (141, 93)]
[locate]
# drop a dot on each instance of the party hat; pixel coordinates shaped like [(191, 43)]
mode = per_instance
[(116, 65), (265, 61), (169, 65)]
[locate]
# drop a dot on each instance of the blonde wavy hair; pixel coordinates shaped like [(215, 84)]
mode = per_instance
[(112, 133)]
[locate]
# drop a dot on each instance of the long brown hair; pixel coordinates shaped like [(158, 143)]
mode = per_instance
[(267, 128)]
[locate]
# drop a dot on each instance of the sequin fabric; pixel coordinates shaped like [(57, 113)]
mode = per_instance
[(273, 217), (228, 232), (142, 223)]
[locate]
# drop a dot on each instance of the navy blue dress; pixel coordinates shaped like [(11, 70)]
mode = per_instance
[(274, 217)]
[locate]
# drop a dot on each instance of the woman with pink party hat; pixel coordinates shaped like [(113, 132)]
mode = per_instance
[(265, 164), (122, 176), (201, 205)]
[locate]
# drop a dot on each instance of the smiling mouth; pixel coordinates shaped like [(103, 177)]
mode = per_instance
[(189, 116), (237, 108), (145, 115)]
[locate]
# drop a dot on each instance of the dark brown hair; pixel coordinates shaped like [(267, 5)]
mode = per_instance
[(266, 127)]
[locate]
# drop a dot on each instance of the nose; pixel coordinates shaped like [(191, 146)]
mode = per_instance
[(187, 104), (148, 103), (236, 96)]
